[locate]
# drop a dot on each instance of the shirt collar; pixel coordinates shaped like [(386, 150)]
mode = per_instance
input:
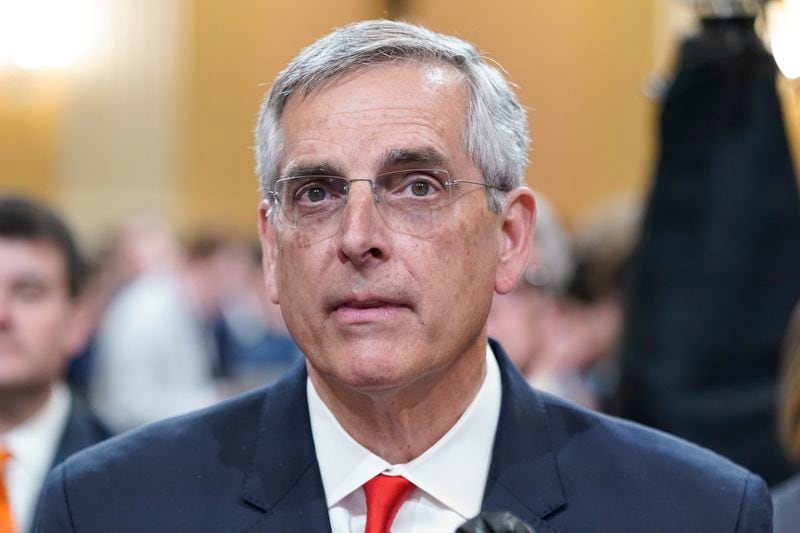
[(33, 443), (440, 471)]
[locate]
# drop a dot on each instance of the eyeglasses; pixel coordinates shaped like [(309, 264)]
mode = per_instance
[(409, 201)]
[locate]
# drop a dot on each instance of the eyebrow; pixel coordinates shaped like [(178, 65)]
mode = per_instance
[(395, 157), (404, 156), (297, 170), (32, 280)]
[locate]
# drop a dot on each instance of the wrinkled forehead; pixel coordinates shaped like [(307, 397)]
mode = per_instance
[(392, 107), (436, 73)]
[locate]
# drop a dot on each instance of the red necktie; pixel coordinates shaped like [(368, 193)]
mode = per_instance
[(6, 523), (385, 495)]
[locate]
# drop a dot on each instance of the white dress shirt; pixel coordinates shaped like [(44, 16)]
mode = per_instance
[(33, 447), (450, 476)]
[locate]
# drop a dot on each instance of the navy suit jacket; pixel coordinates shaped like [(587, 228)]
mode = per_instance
[(786, 499), (81, 431), (249, 464)]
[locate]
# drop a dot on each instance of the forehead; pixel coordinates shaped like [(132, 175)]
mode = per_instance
[(31, 259), (355, 120)]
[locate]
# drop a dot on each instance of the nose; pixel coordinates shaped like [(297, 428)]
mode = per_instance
[(364, 235)]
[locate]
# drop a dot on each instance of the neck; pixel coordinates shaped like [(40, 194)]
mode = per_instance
[(400, 424), (20, 404)]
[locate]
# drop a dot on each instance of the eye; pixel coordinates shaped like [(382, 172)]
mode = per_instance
[(314, 193), (420, 188), (411, 184), (315, 190), (29, 292)]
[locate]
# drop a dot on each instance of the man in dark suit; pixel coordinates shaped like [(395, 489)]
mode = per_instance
[(40, 425), (391, 161)]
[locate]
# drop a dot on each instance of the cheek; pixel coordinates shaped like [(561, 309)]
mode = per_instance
[(300, 278), (44, 331), (52, 323), (475, 256), (465, 266)]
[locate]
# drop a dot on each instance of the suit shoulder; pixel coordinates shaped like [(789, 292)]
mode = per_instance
[(640, 452), (569, 422), (603, 461), (179, 440), (82, 429)]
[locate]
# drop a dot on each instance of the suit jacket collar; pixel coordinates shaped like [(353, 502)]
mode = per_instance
[(523, 476), (81, 430), (283, 477)]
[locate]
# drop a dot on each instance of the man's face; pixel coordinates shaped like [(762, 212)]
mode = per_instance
[(35, 314), (374, 309)]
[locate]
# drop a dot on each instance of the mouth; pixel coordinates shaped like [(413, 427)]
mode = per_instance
[(367, 308)]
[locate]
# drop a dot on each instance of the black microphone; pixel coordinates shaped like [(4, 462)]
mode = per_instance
[(497, 522)]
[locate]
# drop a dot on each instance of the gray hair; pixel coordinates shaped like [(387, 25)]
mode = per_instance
[(495, 131)]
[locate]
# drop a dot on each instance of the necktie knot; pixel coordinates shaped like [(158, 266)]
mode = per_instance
[(385, 494)]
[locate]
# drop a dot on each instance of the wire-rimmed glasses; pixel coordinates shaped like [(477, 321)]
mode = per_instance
[(409, 201)]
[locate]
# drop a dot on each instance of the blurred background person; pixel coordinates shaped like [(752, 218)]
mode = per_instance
[(529, 319), (602, 243), (562, 324), (183, 326), (252, 340), (143, 244), (40, 327), (155, 354), (786, 497)]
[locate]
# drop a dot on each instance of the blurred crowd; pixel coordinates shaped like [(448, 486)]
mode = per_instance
[(175, 325)]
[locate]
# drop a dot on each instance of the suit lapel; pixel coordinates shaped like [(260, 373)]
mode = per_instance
[(283, 478), (523, 476)]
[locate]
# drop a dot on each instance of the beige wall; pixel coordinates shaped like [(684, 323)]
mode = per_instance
[(30, 111)]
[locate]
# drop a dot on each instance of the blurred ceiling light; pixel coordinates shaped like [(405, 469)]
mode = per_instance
[(783, 21), (37, 34)]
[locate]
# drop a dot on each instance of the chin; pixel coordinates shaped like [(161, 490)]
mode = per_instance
[(371, 373)]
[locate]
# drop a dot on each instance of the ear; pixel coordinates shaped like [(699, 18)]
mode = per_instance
[(517, 231), (269, 251)]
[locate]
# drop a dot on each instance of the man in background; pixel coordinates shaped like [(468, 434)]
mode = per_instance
[(155, 354), (40, 425)]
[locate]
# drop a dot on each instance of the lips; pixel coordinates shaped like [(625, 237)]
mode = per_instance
[(367, 308), (368, 304)]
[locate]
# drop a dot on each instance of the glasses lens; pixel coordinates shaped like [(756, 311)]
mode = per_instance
[(411, 201), (311, 201)]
